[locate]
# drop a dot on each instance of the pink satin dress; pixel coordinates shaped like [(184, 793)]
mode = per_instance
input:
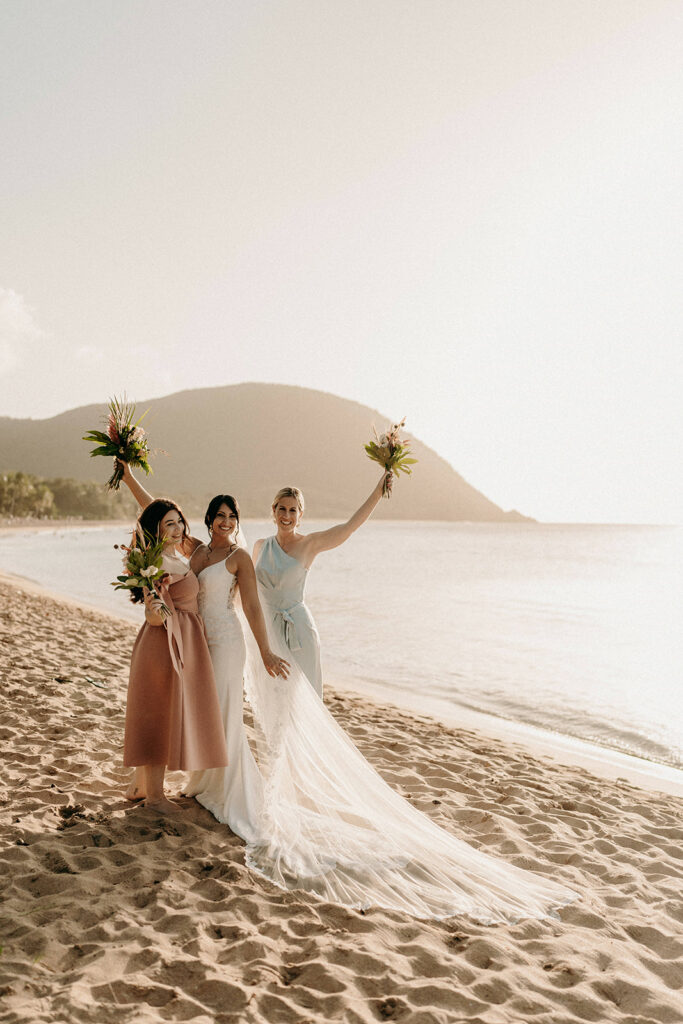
[(173, 716)]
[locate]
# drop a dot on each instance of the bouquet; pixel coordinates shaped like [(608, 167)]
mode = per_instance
[(391, 451), (124, 441), (142, 567)]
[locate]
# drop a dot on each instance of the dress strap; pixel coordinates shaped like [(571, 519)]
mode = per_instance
[(172, 625)]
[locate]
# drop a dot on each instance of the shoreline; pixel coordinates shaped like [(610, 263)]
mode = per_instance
[(31, 525), (566, 750), (8, 525), (606, 762)]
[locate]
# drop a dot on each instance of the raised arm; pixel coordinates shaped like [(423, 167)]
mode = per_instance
[(251, 606), (325, 540), (143, 497)]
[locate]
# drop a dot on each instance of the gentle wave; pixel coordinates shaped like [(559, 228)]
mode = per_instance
[(571, 629)]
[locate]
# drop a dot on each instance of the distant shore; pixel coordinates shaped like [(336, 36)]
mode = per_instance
[(12, 524), (9, 524)]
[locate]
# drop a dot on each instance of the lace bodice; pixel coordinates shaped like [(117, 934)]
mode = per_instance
[(217, 590)]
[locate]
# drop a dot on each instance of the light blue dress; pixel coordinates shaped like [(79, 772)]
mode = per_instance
[(282, 581)]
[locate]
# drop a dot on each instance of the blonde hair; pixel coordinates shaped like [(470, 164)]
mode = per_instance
[(289, 492)]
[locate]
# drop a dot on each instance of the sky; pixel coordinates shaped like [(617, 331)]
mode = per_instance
[(467, 212)]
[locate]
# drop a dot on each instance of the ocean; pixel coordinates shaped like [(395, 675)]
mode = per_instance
[(572, 629)]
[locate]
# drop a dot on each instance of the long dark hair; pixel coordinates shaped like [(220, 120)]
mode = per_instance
[(215, 504), (147, 528)]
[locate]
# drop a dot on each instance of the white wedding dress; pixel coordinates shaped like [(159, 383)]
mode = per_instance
[(234, 795), (315, 815)]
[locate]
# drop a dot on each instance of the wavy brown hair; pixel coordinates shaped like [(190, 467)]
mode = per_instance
[(147, 528)]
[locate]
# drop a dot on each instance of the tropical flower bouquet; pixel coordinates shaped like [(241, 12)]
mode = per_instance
[(393, 452), (142, 567), (124, 440)]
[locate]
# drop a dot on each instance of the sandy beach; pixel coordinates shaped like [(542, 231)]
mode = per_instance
[(112, 913)]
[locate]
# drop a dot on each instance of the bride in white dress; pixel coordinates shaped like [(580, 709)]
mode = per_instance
[(315, 815), (234, 795)]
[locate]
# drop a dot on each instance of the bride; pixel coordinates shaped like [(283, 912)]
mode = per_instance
[(315, 815), (234, 795)]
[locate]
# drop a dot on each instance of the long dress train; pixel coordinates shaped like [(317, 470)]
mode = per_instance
[(325, 820), (333, 826)]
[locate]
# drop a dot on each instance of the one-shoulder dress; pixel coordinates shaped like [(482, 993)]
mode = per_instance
[(173, 716), (282, 583)]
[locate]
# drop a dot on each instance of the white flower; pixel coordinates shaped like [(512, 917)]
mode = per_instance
[(150, 571)]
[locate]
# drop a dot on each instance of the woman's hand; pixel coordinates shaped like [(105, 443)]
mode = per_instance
[(155, 610), (126, 473), (275, 666), (143, 497)]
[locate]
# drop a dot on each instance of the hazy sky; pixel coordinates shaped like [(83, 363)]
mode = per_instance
[(467, 212)]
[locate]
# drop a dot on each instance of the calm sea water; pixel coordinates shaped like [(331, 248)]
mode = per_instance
[(576, 629)]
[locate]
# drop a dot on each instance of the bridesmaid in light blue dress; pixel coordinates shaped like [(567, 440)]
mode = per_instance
[(282, 563)]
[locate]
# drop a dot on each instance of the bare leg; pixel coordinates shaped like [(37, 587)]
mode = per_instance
[(136, 789), (156, 799)]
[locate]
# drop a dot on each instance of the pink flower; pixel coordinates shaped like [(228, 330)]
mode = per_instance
[(113, 431)]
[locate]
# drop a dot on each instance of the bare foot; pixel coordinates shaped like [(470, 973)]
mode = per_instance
[(161, 805), (137, 787)]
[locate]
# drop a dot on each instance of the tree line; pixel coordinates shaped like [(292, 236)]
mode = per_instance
[(23, 495)]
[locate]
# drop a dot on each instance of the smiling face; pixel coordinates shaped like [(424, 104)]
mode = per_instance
[(224, 524), (172, 528), (287, 514), (163, 519)]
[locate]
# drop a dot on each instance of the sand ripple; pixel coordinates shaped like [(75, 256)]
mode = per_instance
[(112, 913)]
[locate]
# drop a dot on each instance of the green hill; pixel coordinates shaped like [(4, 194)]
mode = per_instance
[(249, 440)]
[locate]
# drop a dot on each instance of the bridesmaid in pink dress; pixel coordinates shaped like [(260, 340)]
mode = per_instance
[(173, 717)]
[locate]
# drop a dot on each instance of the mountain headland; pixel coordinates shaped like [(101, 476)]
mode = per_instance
[(249, 440)]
